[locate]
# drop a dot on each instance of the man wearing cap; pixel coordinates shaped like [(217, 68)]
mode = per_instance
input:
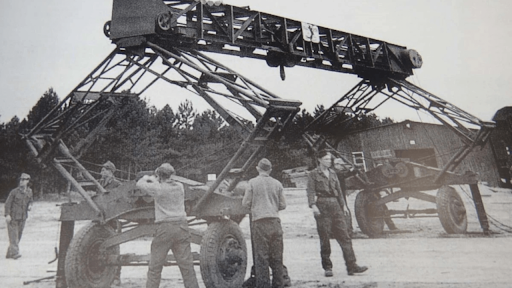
[(172, 232), (16, 213), (108, 180), (264, 197), (330, 209)]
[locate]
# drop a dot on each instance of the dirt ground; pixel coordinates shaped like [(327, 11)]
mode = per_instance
[(419, 254)]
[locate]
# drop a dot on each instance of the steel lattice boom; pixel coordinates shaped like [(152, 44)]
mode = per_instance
[(243, 32)]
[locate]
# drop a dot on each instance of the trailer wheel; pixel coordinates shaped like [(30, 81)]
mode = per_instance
[(451, 210), (85, 264), (223, 257), (369, 217)]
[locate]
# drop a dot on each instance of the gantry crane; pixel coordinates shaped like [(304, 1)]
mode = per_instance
[(166, 41)]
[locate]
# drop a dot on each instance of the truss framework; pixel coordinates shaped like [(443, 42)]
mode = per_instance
[(243, 32), (366, 96), (125, 74)]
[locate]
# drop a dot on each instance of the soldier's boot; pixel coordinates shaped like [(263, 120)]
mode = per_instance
[(286, 278), (251, 282), (354, 269)]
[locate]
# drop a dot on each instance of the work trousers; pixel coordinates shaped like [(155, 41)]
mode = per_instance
[(14, 229), (173, 236), (331, 221), (267, 236)]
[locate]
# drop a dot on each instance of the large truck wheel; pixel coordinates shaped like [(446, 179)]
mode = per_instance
[(369, 217), (451, 210), (223, 259), (85, 263)]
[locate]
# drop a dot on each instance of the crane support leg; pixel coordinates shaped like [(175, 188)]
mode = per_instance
[(66, 234), (480, 209)]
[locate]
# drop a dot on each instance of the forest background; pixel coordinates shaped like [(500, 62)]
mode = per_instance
[(140, 137)]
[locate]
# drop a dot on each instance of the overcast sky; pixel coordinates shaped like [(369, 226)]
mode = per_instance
[(465, 45)]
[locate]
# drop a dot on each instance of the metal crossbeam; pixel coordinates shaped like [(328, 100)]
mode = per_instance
[(243, 32)]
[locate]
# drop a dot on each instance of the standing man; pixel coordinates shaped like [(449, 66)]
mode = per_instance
[(329, 208), (264, 197), (16, 213), (108, 180), (172, 232)]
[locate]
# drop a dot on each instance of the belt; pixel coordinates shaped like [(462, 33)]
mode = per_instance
[(326, 197)]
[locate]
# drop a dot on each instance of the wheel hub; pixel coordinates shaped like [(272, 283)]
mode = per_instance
[(230, 257), (458, 210), (95, 260)]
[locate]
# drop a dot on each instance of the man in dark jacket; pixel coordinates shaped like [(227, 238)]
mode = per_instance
[(16, 213), (330, 209), (108, 180)]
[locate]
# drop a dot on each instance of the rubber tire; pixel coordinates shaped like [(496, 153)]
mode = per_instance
[(77, 270), (213, 249), (451, 211), (365, 211)]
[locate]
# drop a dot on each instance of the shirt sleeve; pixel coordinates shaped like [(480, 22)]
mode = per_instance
[(282, 200), (339, 194), (30, 197), (182, 188), (8, 203), (310, 190), (149, 184), (247, 200)]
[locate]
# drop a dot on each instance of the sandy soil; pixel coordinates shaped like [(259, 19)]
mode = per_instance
[(419, 254)]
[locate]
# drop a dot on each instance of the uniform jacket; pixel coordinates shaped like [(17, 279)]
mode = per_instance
[(321, 186), (17, 203), (110, 183)]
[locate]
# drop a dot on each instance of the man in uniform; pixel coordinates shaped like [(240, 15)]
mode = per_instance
[(330, 209), (108, 180), (16, 213)]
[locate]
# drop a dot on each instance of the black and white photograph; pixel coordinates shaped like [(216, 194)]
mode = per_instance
[(256, 144)]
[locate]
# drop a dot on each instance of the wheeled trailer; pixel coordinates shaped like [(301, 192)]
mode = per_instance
[(164, 41)]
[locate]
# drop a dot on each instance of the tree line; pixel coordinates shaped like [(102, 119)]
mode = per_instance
[(140, 137)]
